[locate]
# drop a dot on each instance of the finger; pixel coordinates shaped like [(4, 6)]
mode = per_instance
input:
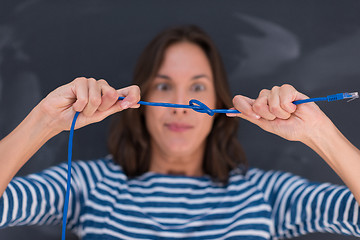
[(81, 92), (287, 95), (244, 105), (94, 98), (109, 95), (261, 107), (300, 96), (233, 114), (100, 115), (274, 104), (132, 96)]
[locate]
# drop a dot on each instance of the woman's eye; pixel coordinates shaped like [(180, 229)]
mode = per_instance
[(163, 87), (198, 87)]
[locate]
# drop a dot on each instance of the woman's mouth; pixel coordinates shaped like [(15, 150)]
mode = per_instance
[(178, 127)]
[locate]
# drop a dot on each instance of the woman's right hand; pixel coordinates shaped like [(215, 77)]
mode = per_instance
[(94, 99)]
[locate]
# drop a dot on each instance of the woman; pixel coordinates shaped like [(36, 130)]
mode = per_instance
[(175, 173)]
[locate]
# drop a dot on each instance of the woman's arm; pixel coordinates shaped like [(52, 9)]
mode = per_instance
[(23, 142), (274, 112), (300, 207), (342, 156), (94, 99)]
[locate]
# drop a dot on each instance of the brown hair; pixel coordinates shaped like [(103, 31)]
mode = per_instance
[(129, 140)]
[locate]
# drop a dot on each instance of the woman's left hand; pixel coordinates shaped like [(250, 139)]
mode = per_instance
[(274, 112)]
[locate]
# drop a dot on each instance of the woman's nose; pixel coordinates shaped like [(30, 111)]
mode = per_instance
[(180, 98), (176, 111)]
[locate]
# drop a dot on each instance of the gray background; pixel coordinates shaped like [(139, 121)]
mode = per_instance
[(314, 45)]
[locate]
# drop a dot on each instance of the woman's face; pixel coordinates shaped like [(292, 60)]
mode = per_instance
[(185, 74)]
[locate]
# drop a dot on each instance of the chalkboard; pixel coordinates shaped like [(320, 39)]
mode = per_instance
[(313, 45)]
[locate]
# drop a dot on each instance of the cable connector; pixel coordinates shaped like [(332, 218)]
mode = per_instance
[(351, 96), (340, 96)]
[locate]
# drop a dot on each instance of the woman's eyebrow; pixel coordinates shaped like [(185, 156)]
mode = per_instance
[(201, 76), (166, 77), (163, 76)]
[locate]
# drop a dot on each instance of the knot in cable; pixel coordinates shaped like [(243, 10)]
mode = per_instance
[(200, 107)]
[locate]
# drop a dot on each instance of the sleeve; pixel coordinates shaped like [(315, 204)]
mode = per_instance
[(39, 198), (300, 207)]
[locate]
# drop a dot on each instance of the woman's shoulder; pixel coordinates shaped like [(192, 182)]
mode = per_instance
[(106, 162), (254, 173), (257, 175), (97, 168)]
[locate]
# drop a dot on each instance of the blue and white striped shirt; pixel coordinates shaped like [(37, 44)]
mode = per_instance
[(105, 204)]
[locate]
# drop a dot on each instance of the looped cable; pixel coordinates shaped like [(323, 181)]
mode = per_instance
[(200, 107), (194, 104)]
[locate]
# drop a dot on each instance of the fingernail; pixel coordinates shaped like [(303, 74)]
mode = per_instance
[(231, 114), (257, 116), (125, 105)]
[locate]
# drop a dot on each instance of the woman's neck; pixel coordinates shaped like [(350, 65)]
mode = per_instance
[(187, 165)]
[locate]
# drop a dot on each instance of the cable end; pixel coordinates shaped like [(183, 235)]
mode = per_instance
[(340, 96), (351, 96)]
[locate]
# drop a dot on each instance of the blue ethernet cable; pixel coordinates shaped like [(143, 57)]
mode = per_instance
[(67, 196), (330, 98), (197, 106), (194, 104)]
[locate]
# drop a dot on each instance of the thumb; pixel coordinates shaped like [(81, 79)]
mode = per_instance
[(244, 105)]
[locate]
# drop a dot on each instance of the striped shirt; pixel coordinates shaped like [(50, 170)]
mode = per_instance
[(105, 204)]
